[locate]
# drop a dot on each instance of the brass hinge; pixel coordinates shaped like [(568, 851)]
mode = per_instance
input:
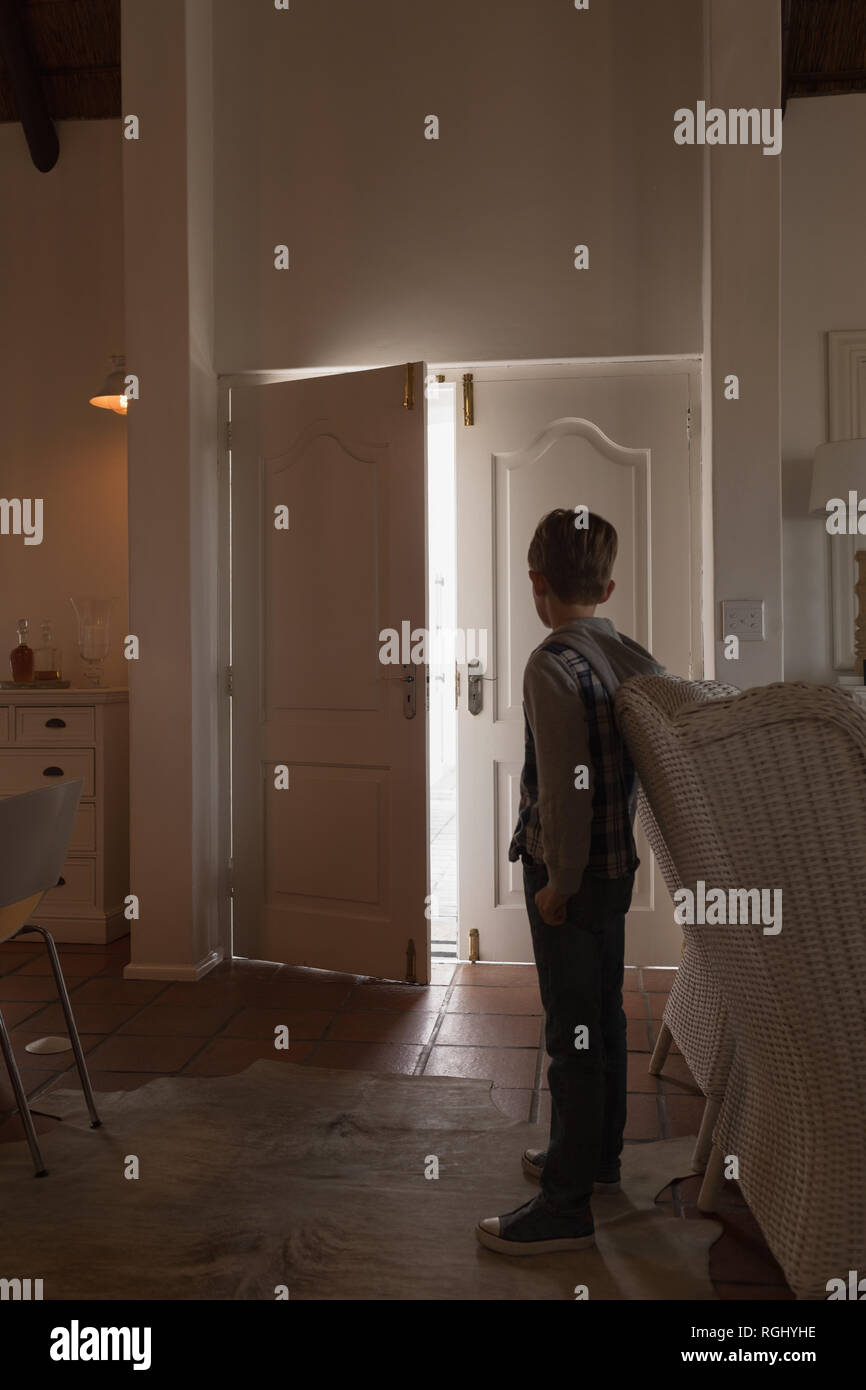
[(230, 681), (474, 946), (456, 687), (228, 434), (409, 387), (410, 963), (468, 399), (689, 425)]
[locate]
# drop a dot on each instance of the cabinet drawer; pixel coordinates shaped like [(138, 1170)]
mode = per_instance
[(48, 725), (77, 890), (84, 829), (44, 767), (4, 723)]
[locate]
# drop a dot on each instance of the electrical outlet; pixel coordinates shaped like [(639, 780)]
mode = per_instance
[(743, 618)]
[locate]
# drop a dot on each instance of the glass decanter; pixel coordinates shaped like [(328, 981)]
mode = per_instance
[(46, 659)]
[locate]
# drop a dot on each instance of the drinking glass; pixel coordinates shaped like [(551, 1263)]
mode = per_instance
[(94, 620)]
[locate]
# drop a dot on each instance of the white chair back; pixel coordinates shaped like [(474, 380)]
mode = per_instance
[(35, 830)]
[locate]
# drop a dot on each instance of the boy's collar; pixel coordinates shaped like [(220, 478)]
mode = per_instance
[(600, 624)]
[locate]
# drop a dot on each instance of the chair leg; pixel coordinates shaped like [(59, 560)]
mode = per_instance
[(705, 1134), (661, 1049), (23, 1107), (80, 1063), (711, 1187)]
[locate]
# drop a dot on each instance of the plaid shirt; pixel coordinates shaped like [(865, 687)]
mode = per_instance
[(613, 780)]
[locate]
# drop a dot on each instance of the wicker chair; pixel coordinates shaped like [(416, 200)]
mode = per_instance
[(781, 775), (695, 1017)]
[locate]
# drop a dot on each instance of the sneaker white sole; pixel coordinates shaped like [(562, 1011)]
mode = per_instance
[(530, 1247), (533, 1171)]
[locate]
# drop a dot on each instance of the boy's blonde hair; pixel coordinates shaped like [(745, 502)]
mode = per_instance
[(575, 559)]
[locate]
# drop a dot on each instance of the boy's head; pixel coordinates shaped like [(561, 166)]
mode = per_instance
[(571, 557)]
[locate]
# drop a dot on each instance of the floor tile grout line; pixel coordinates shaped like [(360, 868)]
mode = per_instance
[(427, 1049), (207, 1041), (358, 981), (245, 1004)]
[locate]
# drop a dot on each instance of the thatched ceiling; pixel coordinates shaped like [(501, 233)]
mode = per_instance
[(824, 47), (75, 46), (76, 49)]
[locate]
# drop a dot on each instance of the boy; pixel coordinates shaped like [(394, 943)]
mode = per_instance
[(574, 836)]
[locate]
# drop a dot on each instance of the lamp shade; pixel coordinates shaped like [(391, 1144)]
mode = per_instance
[(111, 394), (838, 469)]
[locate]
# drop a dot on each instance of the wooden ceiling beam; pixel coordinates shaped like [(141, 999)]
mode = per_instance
[(23, 75), (849, 75), (787, 24), (88, 70)]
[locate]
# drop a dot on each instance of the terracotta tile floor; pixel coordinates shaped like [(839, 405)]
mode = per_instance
[(473, 1020)]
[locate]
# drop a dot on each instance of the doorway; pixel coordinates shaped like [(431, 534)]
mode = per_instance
[(621, 438), (441, 677), (396, 847)]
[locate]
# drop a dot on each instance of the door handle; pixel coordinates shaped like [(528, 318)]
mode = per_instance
[(409, 694), (476, 681), (476, 687), (409, 680)]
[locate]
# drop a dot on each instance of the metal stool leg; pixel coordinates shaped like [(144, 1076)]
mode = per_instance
[(95, 1121), (23, 1107)]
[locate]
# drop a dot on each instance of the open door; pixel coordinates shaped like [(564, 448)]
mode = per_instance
[(329, 746), (615, 439)]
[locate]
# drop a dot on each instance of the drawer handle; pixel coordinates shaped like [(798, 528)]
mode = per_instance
[(60, 882), (55, 723), (52, 772)]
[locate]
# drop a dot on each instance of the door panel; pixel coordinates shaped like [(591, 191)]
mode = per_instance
[(533, 481), (618, 444), (330, 854)]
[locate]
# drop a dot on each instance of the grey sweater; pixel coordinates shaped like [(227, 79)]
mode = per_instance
[(558, 719)]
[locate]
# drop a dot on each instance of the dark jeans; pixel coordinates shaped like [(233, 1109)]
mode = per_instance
[(580, 971)]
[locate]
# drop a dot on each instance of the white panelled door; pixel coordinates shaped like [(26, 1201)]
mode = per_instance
[(615, 440), (329, 744)]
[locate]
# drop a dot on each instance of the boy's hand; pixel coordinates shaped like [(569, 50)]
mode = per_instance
[(551, 905)]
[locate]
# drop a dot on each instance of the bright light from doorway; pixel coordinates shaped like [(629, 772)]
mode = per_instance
[(442, 608)]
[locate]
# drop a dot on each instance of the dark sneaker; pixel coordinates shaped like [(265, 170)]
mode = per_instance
[(534, 1230), (533, 1162)]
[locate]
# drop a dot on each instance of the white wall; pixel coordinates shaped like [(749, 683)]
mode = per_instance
[(174, 692), (61, 310), (556, 128), (823, 289), (742, 337)]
